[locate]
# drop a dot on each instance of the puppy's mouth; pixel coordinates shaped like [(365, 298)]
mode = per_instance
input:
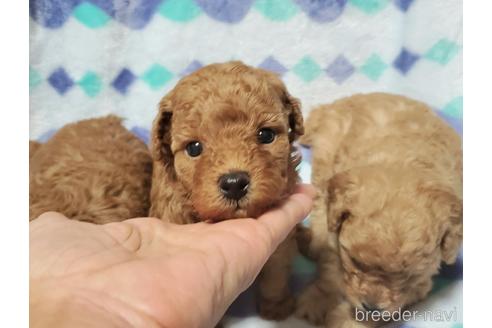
[(233, 209)]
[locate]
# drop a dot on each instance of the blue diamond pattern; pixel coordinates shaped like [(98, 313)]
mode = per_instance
[(307, 69), (271, 64), (193, 66), (405, 60), (123, 80), (340, 69), (47, 135), (60, 80), (322, 10), (51, 14), (141, 133), (136, 14), (403, 5), (228, 11)]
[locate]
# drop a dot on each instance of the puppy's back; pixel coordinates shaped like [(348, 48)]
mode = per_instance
[(93, 170), (385, 129)]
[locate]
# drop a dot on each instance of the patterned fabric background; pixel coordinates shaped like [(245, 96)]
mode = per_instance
[(89, 58), (93, 57)]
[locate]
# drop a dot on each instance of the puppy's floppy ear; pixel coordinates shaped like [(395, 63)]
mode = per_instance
[(296, 122), (447, 207), (292, 106), (339, 190), (161, 135), (354, 193)]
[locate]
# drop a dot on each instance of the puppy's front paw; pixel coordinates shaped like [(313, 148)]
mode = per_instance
[(312, 305), (276, 310), (303, 238)]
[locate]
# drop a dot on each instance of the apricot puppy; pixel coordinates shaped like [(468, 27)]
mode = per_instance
[(222, 149), (93, 170), (389, 211)]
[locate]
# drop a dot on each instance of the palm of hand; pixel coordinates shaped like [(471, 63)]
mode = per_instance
[(127, 267)]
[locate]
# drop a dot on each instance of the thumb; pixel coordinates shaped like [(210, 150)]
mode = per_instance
[(280, 221)]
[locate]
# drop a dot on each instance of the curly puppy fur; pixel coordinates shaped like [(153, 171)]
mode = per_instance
[(93, 170), (223, 106), (389, 176)]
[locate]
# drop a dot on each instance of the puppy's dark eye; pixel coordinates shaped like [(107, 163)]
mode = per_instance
[(266, 135), (194, 148)]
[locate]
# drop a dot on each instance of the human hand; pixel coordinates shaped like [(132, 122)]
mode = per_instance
[(147, 273)]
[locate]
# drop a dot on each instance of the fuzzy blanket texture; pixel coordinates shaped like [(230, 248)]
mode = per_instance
[(89, 58)]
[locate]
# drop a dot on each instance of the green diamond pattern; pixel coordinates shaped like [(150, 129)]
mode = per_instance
[(454, 108), (90, 15), (34, 78), (156, 76), (374, 67), (276, 10), (91, 84), (179, 10), (442, 52), (369, 6), (307, 69)]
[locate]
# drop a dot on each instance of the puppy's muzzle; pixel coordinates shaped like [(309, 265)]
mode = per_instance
[(234, 185)]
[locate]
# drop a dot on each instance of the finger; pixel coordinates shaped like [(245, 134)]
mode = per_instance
[(306, 188), (280, 221)]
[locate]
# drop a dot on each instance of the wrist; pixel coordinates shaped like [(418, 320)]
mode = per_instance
[(53, 304), (46, 304)]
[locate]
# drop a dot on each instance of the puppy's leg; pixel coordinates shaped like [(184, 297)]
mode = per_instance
[(314, 240), (275, 301), (303, 238), (323, 295)]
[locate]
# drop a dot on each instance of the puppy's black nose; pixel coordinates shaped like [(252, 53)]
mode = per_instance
[(370, 307), (234, 185)]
